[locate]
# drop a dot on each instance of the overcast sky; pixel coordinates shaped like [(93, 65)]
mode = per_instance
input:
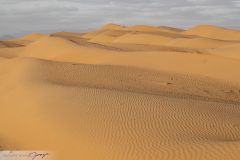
[(27, 16)]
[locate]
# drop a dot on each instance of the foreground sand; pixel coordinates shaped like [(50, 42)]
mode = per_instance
[(123, 93)]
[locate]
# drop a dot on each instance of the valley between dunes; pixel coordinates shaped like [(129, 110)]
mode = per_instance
[(123, 93)]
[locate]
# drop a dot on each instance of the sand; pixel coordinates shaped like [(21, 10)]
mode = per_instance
[(123, 93)]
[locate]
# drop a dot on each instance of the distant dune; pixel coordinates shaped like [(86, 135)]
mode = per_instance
[(142, 38), (214, 32), (123, 93), (142, 28), (199, 42), (108, 36)]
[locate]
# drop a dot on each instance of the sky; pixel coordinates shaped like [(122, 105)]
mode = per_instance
[(19, 17)]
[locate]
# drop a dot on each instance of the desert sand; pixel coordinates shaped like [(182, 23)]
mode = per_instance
[(123, 93)]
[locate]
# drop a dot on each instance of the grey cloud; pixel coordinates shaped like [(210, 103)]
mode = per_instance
[(25, 16)]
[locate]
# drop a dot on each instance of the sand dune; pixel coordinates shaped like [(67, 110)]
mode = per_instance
[(109, 32), (93, 34), (108, 27), (79, 40), (68, 34), (112, 26), (105, 41), (214, 32), (141, 38), (108, 36), (33, 37), (142, 28), (25, 40), (123, 93), (46, 45), (203, 43), (64, 49), (146, 47)]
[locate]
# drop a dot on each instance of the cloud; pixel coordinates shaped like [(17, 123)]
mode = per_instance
[(25, 16)]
